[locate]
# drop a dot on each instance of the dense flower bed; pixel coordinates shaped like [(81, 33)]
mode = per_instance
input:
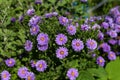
[(55, 46)]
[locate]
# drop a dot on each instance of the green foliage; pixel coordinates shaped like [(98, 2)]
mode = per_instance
[(14, 35), (104, 8), (99, 73), (10, 42), (113, 70), (93, 74), (85, 75)]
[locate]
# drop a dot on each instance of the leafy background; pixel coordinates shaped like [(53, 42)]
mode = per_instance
[(13, 36)]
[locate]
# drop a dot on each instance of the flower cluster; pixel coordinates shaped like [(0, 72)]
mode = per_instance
[(69, 41), (77, 45), (43, 40), (111, 26), (5, 75), (10, 62), (72, 73), (61, 39), (23, 73)]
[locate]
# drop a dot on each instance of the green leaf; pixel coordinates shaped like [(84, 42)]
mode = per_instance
[(85, 75), (113, 69), (100, 73), (52, 1), (62, 3), (14, 76), (1, 1), (70, 64)]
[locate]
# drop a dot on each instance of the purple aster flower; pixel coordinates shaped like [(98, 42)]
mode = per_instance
[(117, 27), (100, 36), (13, 19), (42, 47), (98, 18), (71, 30), (42, 38), (5, 75), (85, 27), (112, 25), (83, 0), (10, 62), (72, 73), (54, 13), (63, 20), (38, 1), (21, 18), (95, 26), (77, 44), (41, 65), (91, 44), (117, 20), (28, 45), (100, 61), (86, 21), (34, 20), (114, 11), (111, 55), (67, 13), (106, 47), (112, 41), (70, 21), (92, 19), (117, 53), (30, 12), (76, 24), (34, 30), (48, 15), (93, 55), (61, 52), (112, 33), (32, 63), (105, 25), (109, 19), (119, 42), (30, 76), (61, 39), (22, 72)]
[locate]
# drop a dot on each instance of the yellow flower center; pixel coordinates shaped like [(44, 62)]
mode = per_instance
[(10, 62), (119, 20), (40, 65), (61, 39), (61, 52), (100, 60), (27, 44), (77, 44), (112, 33), (70, 28), (72, 73), (34, 29), (34, 62), (91, 43), (29, 78), (42, 38), (63, 20), (23, 71), (5, 76), (111, 55)]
